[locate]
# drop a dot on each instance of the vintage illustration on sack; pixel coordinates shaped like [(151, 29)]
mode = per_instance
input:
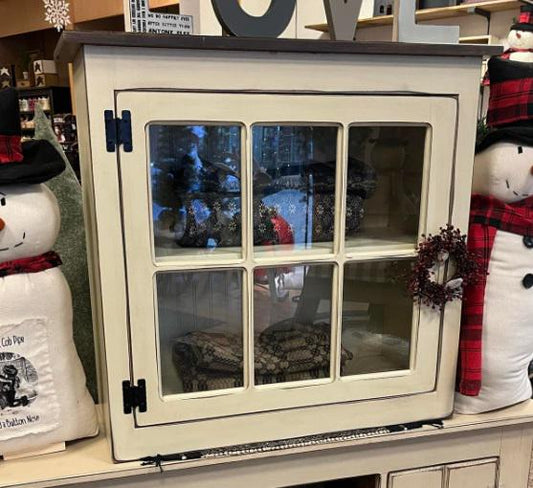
[(28, 396), (18, 381)]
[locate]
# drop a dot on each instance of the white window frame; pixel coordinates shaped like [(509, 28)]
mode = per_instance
[(344, 110)]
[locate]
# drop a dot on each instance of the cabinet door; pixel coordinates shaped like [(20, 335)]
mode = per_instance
[(261, 234), (475, 474), (422, 478)]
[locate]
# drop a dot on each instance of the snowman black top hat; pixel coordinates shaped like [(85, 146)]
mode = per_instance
[(525, 20), (28, 162), (517, 135)]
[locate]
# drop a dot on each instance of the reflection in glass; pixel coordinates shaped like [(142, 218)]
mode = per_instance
[(294, 185), (377, 317), (385, 169), (292, 323), (200, 330), (196, 187)]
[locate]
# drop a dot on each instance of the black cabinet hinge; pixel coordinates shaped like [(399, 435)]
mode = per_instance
[(134, 396), (118, 131)]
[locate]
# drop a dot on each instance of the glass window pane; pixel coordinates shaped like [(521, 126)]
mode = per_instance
[(196, 189), (377, 317), (200, 330), (385, 168), (292, 323), (294, 187)]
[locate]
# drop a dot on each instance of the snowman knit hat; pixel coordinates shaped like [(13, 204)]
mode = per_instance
[(525, 20), (27, 162)]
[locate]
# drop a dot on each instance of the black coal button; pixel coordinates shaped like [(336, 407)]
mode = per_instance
[(528, 242), (528, 281)]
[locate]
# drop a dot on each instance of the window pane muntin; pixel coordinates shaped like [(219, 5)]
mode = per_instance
[(289, 257), (296, 258), (396, 244), (286, 328), (193, 340), (378, 294), (225, 251), (309, 242)]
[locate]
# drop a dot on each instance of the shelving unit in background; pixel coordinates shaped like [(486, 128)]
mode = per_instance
[(60, 101), (60, 115), (481, 8)]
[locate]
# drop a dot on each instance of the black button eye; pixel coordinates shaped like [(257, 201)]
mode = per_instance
[(2, 202), (520, 149)]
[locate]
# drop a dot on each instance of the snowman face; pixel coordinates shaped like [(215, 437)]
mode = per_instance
[(504, 171), (29, 221), (520, 39)]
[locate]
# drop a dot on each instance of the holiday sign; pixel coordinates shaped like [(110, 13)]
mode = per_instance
[(139, 18), (341, 15)]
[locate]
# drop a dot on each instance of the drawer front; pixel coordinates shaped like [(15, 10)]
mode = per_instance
[(419, 478), (477, 474), (471, 474)]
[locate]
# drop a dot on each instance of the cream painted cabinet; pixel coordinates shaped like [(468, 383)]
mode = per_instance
[(251, 206)]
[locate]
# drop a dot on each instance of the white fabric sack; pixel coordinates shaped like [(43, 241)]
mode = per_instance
[(51, 402)]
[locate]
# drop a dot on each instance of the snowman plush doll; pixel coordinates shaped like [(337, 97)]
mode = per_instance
[(496, 340), (496, 345), (43, 397), (520, 38)]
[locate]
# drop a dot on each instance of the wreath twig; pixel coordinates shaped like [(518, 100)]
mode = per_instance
[(434, 250)]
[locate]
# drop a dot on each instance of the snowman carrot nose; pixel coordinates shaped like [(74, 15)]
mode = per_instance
[(519, 35), (2, 224)]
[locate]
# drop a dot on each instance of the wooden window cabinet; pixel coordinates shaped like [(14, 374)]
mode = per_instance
[(391, 124)]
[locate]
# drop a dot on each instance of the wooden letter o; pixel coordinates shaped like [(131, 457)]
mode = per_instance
[(239, 23)]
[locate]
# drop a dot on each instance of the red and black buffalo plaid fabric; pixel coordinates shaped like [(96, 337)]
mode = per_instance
[(10, 149), (505, 55), (487, 216), (511, 92), (526, 17), (30, 265)]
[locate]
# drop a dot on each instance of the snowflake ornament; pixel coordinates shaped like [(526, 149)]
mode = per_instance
[(57, 13)]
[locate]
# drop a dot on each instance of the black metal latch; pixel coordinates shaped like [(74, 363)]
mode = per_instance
[(134, 396), (118, 131)]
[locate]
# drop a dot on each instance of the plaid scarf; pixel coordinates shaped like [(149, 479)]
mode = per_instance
[(30, 265), (487, 216)]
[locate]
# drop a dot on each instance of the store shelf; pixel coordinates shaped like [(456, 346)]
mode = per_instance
[(434, 13), (30, 112), (38, 89), (90, 459)]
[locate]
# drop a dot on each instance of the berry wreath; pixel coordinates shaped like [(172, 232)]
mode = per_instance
[(448, 249)]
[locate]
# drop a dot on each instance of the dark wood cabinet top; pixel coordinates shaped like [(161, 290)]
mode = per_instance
[(71, 41)]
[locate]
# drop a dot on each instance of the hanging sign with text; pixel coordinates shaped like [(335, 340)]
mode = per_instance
[(341, 15), (139, 18)]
